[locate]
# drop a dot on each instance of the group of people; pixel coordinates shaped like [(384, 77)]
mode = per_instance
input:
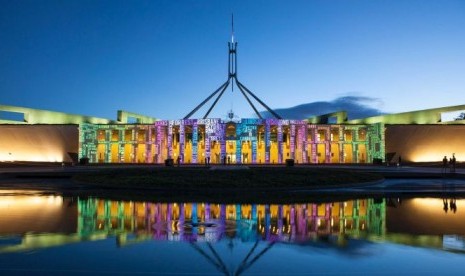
[(452, 204), (449, 163), (179, 161), (207, 161)]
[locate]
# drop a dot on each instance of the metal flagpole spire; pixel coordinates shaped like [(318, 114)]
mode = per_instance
[(232, 27), (232, 75), (232, 54)]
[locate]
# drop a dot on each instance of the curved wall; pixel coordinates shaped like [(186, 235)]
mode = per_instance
[(39, 143), (425, 143)]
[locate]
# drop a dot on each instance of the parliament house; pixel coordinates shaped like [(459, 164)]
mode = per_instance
[(49, 136)]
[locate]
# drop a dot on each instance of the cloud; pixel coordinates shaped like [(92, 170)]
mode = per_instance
[(355, 106)]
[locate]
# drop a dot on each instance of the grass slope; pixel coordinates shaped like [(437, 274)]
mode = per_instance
[(204, 178)]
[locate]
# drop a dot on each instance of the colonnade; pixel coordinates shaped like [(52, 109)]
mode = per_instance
[(249, 141)]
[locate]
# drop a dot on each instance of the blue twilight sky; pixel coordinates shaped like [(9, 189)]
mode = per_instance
[(162, 58)]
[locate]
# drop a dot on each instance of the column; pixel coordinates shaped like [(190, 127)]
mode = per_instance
[(222, 140), (120, 145), (254, 151), (341, 144), (195, 138), (207, 145), (182, 140), (148, 145), (327, 145), (223, 149), (267, 141), (355, 147), (280, 142), (134, 135), (238, 143), (292, 142), (303, 141), (107, 146), (158, 144), (314, 145), (170, 139)]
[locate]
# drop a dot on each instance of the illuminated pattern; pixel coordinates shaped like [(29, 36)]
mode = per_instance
[(303, 142), (194, 141), (267, 141), (160, 126), (376, 142), (170, 139), (262, 141), (181, 141), (313, 134), (286, 223), (292, 141)]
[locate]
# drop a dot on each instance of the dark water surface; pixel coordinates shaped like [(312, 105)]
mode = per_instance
[(55, 235)]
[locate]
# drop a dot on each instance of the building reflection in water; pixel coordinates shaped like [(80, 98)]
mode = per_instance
[(212, 222), (26, 212), (30, 222)]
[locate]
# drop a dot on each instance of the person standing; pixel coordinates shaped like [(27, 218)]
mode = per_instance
[(444, 164)]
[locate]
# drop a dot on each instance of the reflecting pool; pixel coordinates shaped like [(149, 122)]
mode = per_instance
[(54, 235)]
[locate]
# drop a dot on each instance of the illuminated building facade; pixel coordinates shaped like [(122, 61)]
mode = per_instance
[(249, 141), (45, 136)]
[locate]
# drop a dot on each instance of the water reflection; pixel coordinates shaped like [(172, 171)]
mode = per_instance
[(26, 212), (130, 222), (452, 204), (212, 222), (31, 222)]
